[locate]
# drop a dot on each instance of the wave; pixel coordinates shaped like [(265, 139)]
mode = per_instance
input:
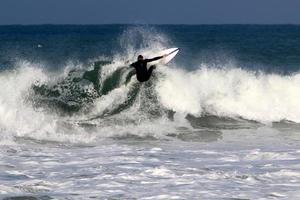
[(104, 99), (231, 92)]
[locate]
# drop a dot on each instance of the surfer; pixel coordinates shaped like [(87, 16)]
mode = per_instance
[(142, 73)]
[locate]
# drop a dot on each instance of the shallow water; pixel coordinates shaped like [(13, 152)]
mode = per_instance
[(258, 163)]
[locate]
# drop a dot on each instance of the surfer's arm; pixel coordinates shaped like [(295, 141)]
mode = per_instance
[(154, 59), (131, 65)]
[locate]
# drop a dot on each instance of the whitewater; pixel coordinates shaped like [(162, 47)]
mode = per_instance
[(197, 130)]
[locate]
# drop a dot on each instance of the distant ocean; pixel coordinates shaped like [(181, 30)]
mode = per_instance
[(220, 121)]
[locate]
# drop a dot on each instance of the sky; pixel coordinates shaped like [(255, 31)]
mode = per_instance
[(149, 12)]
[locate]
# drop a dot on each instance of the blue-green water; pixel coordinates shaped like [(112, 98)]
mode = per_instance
[(269, 47), (220, 121)]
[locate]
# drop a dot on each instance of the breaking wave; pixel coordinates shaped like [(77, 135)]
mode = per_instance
[(86, 103)]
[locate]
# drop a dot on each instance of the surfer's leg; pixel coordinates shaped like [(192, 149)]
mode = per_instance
[(152, 67), (129, 75), (150, 70)]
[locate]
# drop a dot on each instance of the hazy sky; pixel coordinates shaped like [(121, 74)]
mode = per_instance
[(149, 11)]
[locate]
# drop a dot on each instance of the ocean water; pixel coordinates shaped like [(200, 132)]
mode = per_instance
[(221, 121)]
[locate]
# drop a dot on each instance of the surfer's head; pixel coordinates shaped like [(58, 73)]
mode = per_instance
[(140, 57)]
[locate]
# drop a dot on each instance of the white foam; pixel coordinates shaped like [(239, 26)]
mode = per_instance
[(284, 173), (145, 41), (258, 155), (14, 112), (111, 100), (160, 172), (231, 92), (162, 196), (20, 119)]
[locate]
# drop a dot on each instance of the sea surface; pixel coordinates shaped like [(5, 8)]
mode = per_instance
[(220, 121)]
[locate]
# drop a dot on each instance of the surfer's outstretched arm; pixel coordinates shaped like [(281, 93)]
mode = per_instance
[(153, 59), (132, 64)]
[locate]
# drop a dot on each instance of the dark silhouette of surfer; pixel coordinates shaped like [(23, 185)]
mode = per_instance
[(142, 72)]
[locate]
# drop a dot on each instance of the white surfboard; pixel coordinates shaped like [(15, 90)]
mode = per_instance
[(171, 53)]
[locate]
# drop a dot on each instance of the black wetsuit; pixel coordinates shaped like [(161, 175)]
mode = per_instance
[(142, 73)]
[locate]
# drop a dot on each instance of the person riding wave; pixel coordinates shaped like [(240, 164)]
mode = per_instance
[(142, 72)]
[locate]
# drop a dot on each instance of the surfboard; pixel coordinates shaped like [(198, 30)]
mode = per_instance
[(171, 53)]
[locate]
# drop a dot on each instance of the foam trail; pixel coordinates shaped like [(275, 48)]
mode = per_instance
[(141, 40)]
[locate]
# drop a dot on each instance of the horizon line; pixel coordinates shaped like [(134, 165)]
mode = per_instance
[(153, 24)]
